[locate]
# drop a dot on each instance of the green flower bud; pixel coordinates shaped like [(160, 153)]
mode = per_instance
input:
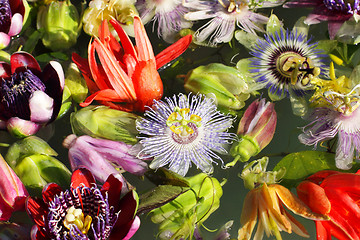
[(104, 122), (227, 83), (60, 22), (179, 217), (76, 83), (32, 160)]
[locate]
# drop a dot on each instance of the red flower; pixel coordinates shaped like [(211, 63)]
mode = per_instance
[(127, 78), (84, 211), (336, 195)]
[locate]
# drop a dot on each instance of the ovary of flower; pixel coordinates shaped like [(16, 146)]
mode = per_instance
[(293, 65), (179, 117), (75, 216)]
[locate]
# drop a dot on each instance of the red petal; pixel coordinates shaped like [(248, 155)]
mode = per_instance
[(5, 70), (173, 51), (314, 196), (82, 64), (322, 233), (97, 73), (321, 175), (82, 177), (113, 188), (120, 232), (102, 95), (143, 44), (37, 210), (124, 39), (50, 191), (128, 207), (23, 60)]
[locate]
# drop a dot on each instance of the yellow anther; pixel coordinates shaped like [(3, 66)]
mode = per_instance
[(75, 216)]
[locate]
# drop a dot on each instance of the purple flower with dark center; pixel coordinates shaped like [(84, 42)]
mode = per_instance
[(168, 14), (336, 12), (29, 97), (184, 130), (285, 62), (338, 120), (11, 20), (84, 212)]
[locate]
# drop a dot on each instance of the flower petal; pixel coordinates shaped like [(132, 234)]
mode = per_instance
[(143, 44), (295, 204), (41, 107), (314, 196), (124, 39), (112, 187), (22, 60), (82, 177), (16, 24), (248, 215), (50, 191), (37, 210), (4, 40)]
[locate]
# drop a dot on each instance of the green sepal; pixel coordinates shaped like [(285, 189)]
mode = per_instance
[(66, 102), (273, 25), (163, 176), (26, 147)]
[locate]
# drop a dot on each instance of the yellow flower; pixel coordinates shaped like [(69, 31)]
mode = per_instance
[(266, 203)]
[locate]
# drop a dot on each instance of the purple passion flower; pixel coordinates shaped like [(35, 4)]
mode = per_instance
[(285, 62), (336, 12), (184, 130), (224, 16), (11, 20), (340, 119), (84, 211), (169, 14), (28, 94)]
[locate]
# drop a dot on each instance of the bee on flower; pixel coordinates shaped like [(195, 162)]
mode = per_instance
[(335, 113), (184, 130)]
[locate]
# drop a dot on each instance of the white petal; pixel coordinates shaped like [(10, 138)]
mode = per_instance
[(41, 107)]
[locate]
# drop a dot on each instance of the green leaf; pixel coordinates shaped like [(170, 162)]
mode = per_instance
[(163, 176), (300, 165), (159, 196)]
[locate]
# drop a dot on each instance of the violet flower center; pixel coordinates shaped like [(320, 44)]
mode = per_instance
[(346, 6), (5, 16), (16, 91), (92, 203), (188, 138)]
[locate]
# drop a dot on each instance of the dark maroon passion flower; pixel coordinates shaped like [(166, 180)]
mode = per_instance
[(335, 12), (84, 211), (29, 97), (12, 14)]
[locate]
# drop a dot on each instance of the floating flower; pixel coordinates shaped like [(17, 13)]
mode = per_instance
[(336, 12), (12, 191), (84, 211), (256, 130), (285, 62), (102, 157), (127, 78), (225, 16), (336, 113), (12, 16), (168, 14), (184, 130), (28, 95), (336, 195)]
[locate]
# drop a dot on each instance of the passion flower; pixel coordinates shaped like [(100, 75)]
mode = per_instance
[(84, 211), (29, 94)]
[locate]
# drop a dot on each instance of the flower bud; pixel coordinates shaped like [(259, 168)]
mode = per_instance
[(76, 83), (12, 191), (227, 83), (255, 131), (179, 217), (104, 122), (60, 21), (21, 128), (31, 158)]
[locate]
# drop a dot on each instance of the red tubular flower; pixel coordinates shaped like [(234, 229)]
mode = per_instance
[(28, 94), (336, 195), (127, 78), (84, 211)]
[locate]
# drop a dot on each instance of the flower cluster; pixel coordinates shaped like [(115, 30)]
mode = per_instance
[(115, 110)]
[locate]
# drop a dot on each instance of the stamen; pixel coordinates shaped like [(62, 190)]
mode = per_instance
[(179, 124), (75, 216)]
